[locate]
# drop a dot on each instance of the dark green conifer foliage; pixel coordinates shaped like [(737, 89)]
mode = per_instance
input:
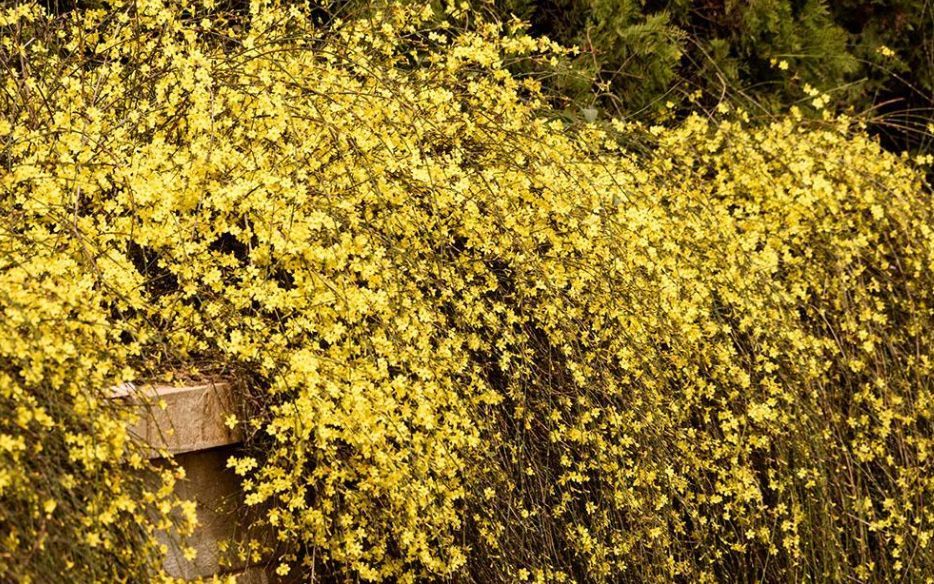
[(641, 57)]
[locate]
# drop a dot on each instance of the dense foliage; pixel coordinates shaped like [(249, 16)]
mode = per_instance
[(481, 344), (646, 56), (77, 497)]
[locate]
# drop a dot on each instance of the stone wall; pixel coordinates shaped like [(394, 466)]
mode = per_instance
[(189, 428)]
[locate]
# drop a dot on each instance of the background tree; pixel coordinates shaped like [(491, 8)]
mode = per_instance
[(642, 57)]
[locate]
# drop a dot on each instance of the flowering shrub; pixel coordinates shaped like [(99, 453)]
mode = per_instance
[(67, 503), (481, 344), (77, 496)]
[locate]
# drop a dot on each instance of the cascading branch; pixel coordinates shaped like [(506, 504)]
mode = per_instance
[(482, 345)]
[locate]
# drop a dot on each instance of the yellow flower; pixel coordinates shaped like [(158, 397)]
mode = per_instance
[(885, 51)]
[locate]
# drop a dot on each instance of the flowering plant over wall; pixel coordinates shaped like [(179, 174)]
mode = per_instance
[(481, 344)]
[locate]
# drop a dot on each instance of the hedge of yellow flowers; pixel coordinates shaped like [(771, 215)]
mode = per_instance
[(479, 344), (78, 501)]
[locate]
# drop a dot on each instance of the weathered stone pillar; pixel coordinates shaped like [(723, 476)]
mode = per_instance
[(190, 429)]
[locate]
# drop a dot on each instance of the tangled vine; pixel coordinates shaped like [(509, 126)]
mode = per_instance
[(481, 344)]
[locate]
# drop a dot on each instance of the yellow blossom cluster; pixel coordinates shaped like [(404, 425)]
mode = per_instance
[(481, 344), (78, 499)]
